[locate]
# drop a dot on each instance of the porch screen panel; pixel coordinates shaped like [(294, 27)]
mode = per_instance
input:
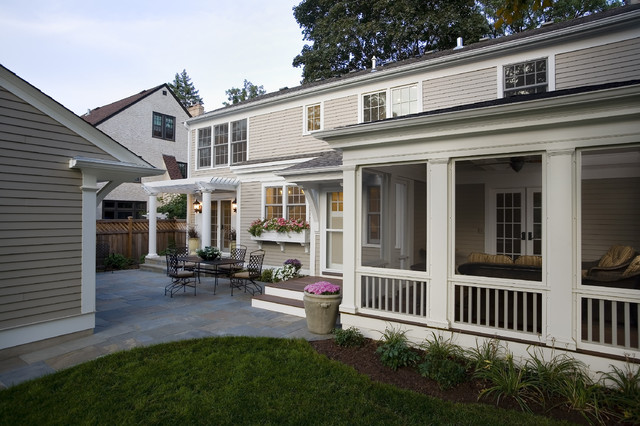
[(393, 216)]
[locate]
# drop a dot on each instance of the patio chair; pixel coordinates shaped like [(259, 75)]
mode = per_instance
[(187, 266), (237, 253), (247, 278), (180, 278)]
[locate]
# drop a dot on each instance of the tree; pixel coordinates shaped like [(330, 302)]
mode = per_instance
[(249, 91), (512, 16), (175, 205), (184, 90), (347, 34)]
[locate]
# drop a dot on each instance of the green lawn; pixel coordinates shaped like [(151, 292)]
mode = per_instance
[(229, 380)]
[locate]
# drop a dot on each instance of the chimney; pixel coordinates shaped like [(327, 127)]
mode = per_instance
[(196, 110)]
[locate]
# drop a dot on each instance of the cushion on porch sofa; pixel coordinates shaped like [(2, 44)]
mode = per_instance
[(633, 268), (490, 258), (616, 256), (529, 261)]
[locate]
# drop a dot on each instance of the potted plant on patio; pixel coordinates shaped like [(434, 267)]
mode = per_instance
[(194, 239), (208, 253), (321, 302)]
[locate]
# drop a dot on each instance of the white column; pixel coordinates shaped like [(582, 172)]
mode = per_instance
[(351, 212), (153, 225), (206, 219), (558, 260), (438, 240), (89, 205)]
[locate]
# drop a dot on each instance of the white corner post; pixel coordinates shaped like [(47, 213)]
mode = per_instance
[(206, 219), (438, 209), (560, 247), (89, 206), (153, 225), (351, 211)]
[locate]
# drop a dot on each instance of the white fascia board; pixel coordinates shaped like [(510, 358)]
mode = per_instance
[(62, 115), (461, 56), (107, 170)]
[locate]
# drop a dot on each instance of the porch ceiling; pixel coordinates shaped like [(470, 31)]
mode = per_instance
[(191, 185)]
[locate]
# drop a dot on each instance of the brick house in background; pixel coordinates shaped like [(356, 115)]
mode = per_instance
[(149, 124)]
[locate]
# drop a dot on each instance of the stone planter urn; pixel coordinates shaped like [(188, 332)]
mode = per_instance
[(194, 244), (321, 310)]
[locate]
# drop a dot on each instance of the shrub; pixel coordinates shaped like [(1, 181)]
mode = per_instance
[(483, 357), (351, 337), (550, 376), (267, 276), (117, 261), (443, 362), (395, 351), (625, 396)]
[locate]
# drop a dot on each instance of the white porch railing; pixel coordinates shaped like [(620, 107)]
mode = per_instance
[(610, 321), (393, 295), (512, 309)]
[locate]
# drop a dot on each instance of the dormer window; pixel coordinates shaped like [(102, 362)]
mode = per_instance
[(525, 78)]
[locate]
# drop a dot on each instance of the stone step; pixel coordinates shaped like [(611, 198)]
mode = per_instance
[(278, 304), (287, 296)]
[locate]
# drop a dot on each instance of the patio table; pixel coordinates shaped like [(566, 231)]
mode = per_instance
[(212, 265)]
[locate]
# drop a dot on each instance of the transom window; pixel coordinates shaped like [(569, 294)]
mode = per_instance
[(293, 206), (525, 78), (313, 118), (163, 126), (227, 145)]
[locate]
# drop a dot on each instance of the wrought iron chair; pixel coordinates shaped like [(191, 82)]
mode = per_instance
[(187, 266), (180, 278), (237, 253), (247, 278)]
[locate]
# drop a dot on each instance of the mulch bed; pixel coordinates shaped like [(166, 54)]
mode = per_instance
[(366, 361)]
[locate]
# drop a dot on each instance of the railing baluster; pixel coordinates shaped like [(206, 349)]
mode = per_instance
[(614, 323), (601, 321), (627, 325)]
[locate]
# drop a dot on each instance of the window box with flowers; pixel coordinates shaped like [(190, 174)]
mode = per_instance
[(281, 231)]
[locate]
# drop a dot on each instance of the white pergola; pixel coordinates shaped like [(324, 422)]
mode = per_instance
[(190, 186)]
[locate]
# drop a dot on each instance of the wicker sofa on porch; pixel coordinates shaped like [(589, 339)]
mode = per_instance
[(502, 266)]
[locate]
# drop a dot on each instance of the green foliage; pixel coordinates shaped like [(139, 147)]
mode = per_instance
[(248, 91), (184, 90), (395, 351), (625, 395), (209, 253), (508, 381), (443, 362), (117, 261), (346, 35), (486, 356), (351, 337), (550, 376), (267, 276), (174, 205)]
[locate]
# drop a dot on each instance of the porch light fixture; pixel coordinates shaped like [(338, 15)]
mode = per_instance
[(197, 207), (516, 163), (234, 205)]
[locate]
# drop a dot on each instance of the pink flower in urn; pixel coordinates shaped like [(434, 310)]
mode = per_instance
[(323, 288)]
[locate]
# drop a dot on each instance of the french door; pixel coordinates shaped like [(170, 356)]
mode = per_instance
[(220, 223), (333, 232), (518, 222)]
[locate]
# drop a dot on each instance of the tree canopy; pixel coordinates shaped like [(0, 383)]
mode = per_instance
[(346, 34), (184, 89), (248, 91)]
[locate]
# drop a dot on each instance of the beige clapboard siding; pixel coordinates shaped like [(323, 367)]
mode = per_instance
[(610, 212), (598, 65), (341, 112), (279, 134), (41, 253), (460, 89)]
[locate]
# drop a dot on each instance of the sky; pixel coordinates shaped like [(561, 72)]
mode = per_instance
[(88, 53)]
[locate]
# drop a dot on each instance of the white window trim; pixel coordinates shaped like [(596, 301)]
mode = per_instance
[(304, 118), (283, 186), (551, 71), (212, 146), (197, 146), (389, 93)]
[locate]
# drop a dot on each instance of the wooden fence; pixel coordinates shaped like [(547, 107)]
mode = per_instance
[(130, 237)]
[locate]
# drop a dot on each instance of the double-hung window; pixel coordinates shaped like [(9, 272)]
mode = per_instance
[(404, 101), (221, 144), (313, 118), (291, 206), (525, 78), (204, 147), (163, 126), (238, 141)]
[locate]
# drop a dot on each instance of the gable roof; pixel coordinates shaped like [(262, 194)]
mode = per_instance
[(101, 114), (49, 106), (562, 30)]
